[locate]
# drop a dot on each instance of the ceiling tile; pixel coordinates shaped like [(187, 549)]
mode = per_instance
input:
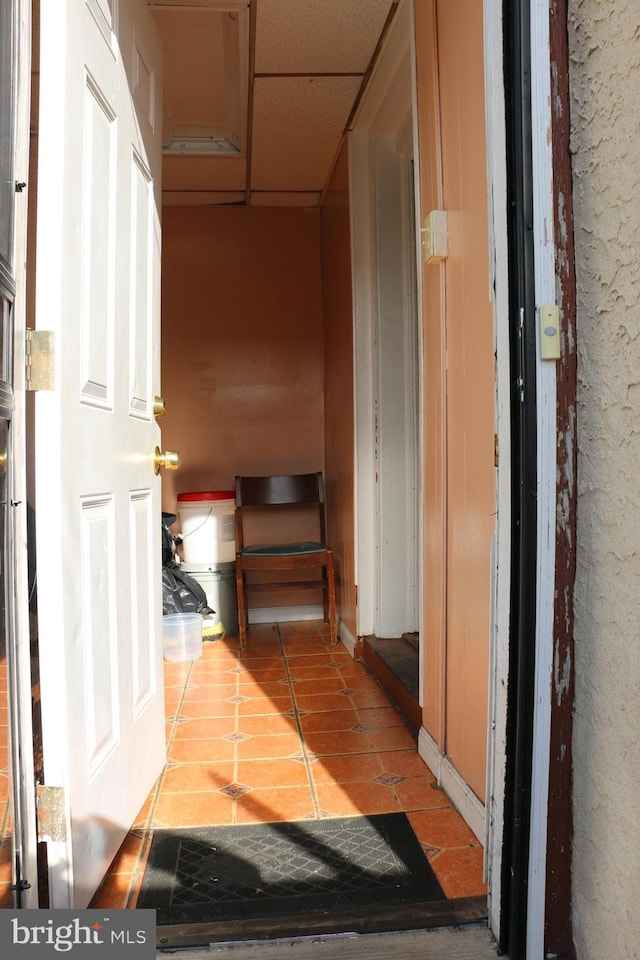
[(205, 198), (203, 173), (268, 198), (318, 36), (298, 122)]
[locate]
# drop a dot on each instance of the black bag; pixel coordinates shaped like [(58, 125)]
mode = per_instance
[(181, 593), (169, 542)]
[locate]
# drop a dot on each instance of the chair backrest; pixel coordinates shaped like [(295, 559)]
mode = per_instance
[(300, 488), (270, 491)]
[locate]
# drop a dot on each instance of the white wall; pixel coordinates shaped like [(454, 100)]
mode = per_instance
[(605, 89)]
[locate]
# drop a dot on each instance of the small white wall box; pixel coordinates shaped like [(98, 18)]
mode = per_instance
[(435, 236), (549, 331)]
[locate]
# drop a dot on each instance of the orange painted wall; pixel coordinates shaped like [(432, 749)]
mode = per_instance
[(459, 469), (470, 387), (339, 438), (242, 344), (434, 465)]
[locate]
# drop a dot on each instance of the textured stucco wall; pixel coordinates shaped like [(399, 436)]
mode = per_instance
[(605, 91)]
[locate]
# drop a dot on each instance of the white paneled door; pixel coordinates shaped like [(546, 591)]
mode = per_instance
[(97, 496)]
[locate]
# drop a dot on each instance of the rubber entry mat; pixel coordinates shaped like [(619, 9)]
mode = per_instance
[(209, 874)]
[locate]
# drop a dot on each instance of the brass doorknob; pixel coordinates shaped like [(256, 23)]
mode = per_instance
[(159, 407), (170, 460)]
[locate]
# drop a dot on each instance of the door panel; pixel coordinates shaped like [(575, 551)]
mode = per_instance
[(142, 524), (434, 339), (459, 505), (98, 186), (97, 498), (470, 391), (142, 305)]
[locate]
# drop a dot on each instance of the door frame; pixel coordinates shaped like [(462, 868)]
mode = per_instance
[(487, 820), (519, 913), (20, 690), (380, 114), (546, 392), (500, 598)]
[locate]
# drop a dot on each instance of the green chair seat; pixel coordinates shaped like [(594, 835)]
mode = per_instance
[(283, 549)]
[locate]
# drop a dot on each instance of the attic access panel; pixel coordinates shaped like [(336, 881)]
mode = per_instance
[(206, 66)]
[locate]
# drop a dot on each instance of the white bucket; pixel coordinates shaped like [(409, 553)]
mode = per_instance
[(219, 583), (182, 636), (207, 521)]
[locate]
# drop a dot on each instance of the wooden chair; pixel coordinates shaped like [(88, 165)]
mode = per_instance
[(273, 494)]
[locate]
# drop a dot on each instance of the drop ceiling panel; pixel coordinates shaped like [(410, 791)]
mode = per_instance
[(203, 173), (309, 62), (318, 36), (297, 125), (268, 198), (182, 198)]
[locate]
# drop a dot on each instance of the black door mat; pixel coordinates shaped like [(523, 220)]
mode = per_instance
[(210, 874)]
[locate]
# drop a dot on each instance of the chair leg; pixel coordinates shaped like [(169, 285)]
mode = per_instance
[(242, 606), (331, 596)]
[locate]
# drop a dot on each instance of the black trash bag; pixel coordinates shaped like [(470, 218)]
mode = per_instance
[(181, 593), (169, 542)]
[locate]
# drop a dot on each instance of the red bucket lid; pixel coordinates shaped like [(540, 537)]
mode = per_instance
[(206, 495)]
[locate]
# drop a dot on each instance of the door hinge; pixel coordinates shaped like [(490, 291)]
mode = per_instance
[(50, 804), (40, 360), (496, 452)]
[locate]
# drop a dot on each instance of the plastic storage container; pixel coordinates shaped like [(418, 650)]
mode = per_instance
[(207, 520), (219, 583), (182, 636)]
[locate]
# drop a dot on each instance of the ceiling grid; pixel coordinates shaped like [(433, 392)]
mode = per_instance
[(258, 94)]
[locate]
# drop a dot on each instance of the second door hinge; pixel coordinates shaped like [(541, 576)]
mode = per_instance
[(40, 360), (50, 804)]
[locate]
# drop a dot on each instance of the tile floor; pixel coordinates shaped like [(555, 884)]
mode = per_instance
[(290, 729)]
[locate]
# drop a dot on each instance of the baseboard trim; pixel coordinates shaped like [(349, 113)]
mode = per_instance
[(460, 794), (347, 638), (286, 614)]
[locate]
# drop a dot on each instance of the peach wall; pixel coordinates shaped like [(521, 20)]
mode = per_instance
[(470, 387), (242, 344), (459, 411), (434, 464), (339, 438)]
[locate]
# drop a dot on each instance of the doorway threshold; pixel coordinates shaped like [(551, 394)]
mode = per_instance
[(394, 662), (467, 942), (410, 916)]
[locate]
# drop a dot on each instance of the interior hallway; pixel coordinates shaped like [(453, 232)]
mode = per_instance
[(290, 729)]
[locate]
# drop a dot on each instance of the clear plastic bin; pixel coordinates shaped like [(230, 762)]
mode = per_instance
[(182, 636)]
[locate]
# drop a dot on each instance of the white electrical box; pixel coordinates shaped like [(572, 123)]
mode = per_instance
[(435, 236)]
